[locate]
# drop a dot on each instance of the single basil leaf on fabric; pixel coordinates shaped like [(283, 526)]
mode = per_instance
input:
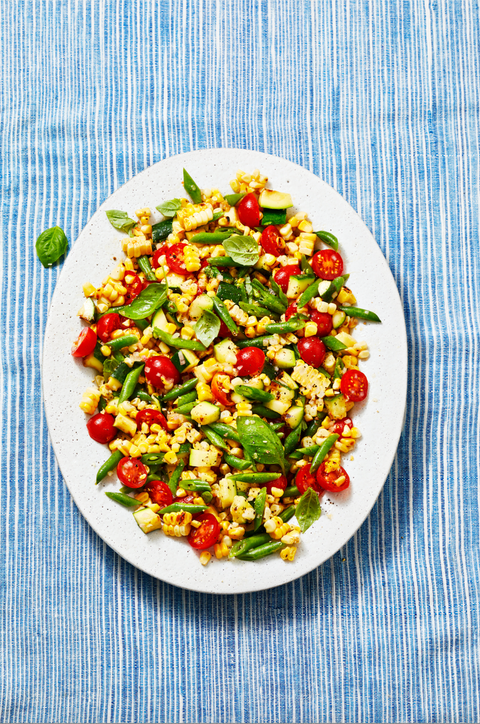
[(150, 299), (170, 208), (120, 220), (207, 328), (50, 245), (242, 249), (260, 442), (308, 510)]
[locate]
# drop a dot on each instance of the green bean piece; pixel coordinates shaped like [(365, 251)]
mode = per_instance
[(176, 475), (279, 292), (265, 412), (327, 238), (186, 409), (299, 453), (322, 452), (192, 508), (189, 397), (154, 475), (308, 294), (195, 485), (235, 462), (255, 309), (146, 267), (241, 288), (360, 313), (119, 357), (246, 544), (161, 230), (214, 437), (152, 459), (305, 264), (178, 342), (278, 217), (144, 396), (339, 367), (117, 344), (130, 383), (293, 439), (191, 188), (211, 237), (224, 261), (285, 327), (267, 299), (108, 465), (185, 448), (225, 431), (224, 315), (333, 343), (252, 393), (259, 507), (262, 551), (288, 513), (334, 287), (291, 492), (276, 426), (102, 403), (218, 215), (255, 477), (233, 199), (256, 342), (315, 424), (180, 391), (123, 499)]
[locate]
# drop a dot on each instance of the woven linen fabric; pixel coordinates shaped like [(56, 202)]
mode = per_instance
[(380, 99)]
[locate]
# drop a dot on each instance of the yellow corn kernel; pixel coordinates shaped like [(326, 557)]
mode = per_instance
[(276, 528), (90, 399), (170, 458), (346, 296), (243, 408), (350, 361), (204, 392), (205, 558), (159, 273), (237, 532), (135, 247), (126, 424), (305, 226), (177, 524), (142, 498), (89, 290), (306, 243), (105, 350), (191, 258), (221, 550), (187, 332), (332, 462), (310, 329), (288, 553)]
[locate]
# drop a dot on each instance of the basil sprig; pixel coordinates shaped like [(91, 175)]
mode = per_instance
[(308, 510), (120, 220), (242, 249), (260, 442), (170, 208), (150, 299), (50, 245), (207, 328)]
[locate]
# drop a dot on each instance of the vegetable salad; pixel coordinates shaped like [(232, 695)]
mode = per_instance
[(226, 369)]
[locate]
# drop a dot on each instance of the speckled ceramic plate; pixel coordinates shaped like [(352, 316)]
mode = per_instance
[(380, 418)]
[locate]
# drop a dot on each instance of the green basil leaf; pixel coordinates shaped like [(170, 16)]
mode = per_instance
[(50, 245), (260, 442), (242, 249), (120, 220), (170, 208), (150, 299), (308, 510), (109, 367), (207, 328)]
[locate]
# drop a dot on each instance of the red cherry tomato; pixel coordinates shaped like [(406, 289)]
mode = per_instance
[(159, 370), (312, 351), (85, 344), (132, 472), (291, 310), (151, 417), (186, 499), (220, 390), (207, 534), (108, 324), (134, 286), (354, 385), (250, 361), (327, 264), (224, 330), (342, 425), (248, 210), (324, 323), (280, 483), (328, 481), (174, 257), (155, 260), (271, 241), (283, 275), (305, 479), (159, 492), (100, 427)]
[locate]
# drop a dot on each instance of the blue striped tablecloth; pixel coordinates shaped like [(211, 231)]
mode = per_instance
[(380, 99)]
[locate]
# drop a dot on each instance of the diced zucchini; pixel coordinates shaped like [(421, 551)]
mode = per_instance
[(202, 458), (238, 509), (227, 491), (147, 520), (185, 360), (205, 413), (285, 358), (294, 416), (242, 487), (277, 217), (160, 321), (323, 287), (298, 283), (283, 398), (87, 312), (275, 199), (201, 304), (336, 407), (226, 351), (287, 380), (338, 318), (175, 280)]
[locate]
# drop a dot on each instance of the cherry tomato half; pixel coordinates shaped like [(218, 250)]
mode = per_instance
[(283, 275), (291, 310), (328, 481), (354, 385), (324, 323), (207, 534), (248, 210), (312, 351), (108, 324), (250, 361), (221, 389), (85, 344), (271, 241), (159, 370), (342, 425), (134, 286), (132, 472), (224, 330), (100, 427), (327, 264), (305, 479), (280, 483), (159, 492), (151, 417), (186, 499), (174, 257), (155, 260)]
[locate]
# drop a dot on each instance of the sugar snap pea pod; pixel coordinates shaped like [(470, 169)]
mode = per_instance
[(152, 459), (279, 292), (237, 463), (252, 393), (334, 287), (152, 476), (123, 499), (211, 237), (305, 264), (178, 342), (327, 238), (161, 230), (192, 508), (196, 485), (117, 344), (301, 451), (360, 313), (180, 391), (255, 477), (120, 372), (276, 426), (244, 545), (130, 383), (267, 299), (189, 397), (233, 199), (261, 342), (255, 309), (254, 554), (314, 425), (259, 507), (291, 492), (265, 412), (108, 465), (176, 475), (144, 396), (186, 409), (333, 343), (293, 439), (218, 215), (224, 315), (322, 452), (214, 437), (146, 267), (308, 294), (224, 261), (285, 327), (288, 513), (191, 188), (225, 431), (102, 403)]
